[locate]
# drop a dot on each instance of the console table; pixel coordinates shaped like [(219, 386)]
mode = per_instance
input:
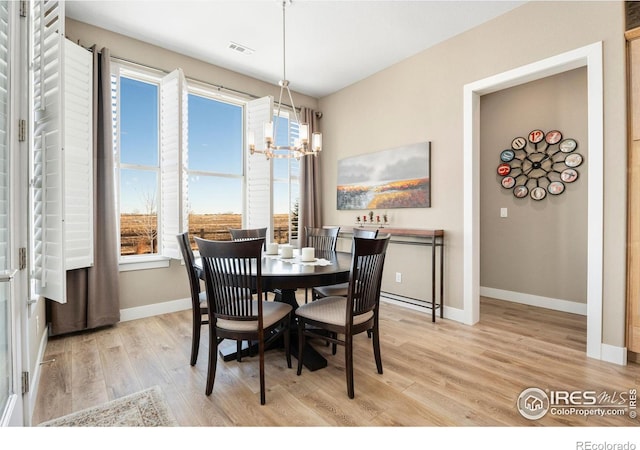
[(430, 238)]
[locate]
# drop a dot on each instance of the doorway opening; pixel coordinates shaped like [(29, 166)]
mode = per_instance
[(590, 57)]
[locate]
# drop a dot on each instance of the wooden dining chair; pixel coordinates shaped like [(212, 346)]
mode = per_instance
[(243, 234), (341, 289), (199, 308), (348, 316), (233, 272), (323, 240)]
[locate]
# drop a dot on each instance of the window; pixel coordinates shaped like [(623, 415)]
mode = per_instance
[(215, 166), (181, 165), (136, 146)]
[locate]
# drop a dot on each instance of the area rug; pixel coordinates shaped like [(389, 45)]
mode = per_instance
[(146, 408)]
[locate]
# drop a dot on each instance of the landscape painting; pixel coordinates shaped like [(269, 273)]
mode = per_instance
[(394, 178)]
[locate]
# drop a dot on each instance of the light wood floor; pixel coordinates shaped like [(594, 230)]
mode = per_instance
[(442, 374)]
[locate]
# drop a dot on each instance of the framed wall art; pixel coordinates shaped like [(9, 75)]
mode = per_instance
[(394, 178)]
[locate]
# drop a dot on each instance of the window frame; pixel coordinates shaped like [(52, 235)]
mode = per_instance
[(123, 69)]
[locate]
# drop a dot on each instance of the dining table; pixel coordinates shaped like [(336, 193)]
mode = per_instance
[(284, 276)]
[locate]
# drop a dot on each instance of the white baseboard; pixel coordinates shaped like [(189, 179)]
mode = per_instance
[(613, 354), (535, 300), (140, 312)]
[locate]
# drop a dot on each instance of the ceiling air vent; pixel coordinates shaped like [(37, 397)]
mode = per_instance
[(240, 48)]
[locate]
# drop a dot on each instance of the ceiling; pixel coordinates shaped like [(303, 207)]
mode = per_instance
[(329, 44)]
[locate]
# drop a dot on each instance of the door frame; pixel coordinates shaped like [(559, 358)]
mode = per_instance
[(17, 412), (591, 57)]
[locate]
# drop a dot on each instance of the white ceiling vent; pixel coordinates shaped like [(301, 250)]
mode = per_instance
[(240, 48)]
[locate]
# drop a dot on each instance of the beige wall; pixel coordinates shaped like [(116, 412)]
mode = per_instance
[(541, 247), (421, 99)]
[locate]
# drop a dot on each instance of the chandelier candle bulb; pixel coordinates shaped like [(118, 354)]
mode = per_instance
[(304, 133), (307, 254), (316, 142), (268, 132)]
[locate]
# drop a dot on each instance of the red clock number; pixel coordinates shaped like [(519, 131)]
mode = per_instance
[(504, 169), (536, 136)]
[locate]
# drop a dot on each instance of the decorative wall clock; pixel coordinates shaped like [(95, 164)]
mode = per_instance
[(540, 164)]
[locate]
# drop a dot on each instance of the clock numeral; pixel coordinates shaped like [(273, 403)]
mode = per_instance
[(536, 136)]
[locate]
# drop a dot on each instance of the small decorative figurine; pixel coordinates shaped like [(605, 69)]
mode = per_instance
[(371, 216)]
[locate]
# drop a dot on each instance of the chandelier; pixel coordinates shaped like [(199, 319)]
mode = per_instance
[(301, 146)]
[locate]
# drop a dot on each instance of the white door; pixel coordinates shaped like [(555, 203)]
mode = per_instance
[(11, 281)]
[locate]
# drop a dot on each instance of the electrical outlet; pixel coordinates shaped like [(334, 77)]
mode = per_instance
[(398, 277)]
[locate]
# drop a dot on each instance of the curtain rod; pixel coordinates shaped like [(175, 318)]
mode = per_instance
[(208, 83)]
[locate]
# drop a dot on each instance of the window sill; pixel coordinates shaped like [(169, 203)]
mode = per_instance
[(143, 263)]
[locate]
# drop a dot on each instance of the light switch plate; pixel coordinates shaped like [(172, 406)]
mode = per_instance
[(503, 212)]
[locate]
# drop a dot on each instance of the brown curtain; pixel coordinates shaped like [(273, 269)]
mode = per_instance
[(93, 298), (309, 213)]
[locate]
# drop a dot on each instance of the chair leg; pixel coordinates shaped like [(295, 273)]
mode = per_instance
[(301, 339), (213, 360), (334, 346), (287, 340), (348, 364), (239, 350), (262, 386), (195, 339), (376, 348)]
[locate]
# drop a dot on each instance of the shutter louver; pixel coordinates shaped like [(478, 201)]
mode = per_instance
[(173, 161), (259, 208)]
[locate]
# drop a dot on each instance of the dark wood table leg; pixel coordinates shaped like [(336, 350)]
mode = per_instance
[(312, 360)]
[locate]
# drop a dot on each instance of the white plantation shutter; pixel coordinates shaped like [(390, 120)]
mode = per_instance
[(78, 156), (173, 161), (47, 199), (61, 169), (259, 208)]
